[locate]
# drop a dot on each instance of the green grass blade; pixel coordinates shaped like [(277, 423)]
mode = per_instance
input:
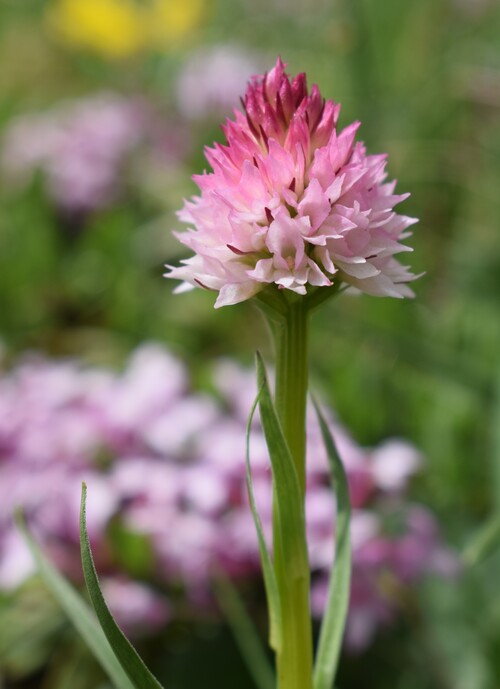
[(332, 628), (271, 586), (484, 543), (289, 503), (128, 657), (244, 632), (78, 612)]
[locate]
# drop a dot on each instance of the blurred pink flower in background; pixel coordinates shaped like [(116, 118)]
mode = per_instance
[(136, 607), (292, 202), (212, 80), (167, 464), (82, 148)]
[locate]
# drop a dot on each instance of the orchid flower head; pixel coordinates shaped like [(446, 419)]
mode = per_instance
[(292, 202)]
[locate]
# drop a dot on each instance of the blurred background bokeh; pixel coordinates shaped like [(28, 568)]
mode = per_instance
[(105, 107)]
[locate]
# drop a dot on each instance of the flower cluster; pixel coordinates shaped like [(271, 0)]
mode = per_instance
[(81, 147), (167, 465), (292, 202)]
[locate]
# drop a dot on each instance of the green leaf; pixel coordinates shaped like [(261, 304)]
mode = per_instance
[(271, 586), (78, 612), (484, 543), (332, 628), (244, 631), (289, 504), (128, 657)]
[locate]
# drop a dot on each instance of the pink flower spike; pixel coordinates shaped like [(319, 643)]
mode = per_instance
[(292, 202)]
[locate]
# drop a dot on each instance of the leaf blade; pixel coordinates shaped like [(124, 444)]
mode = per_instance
[(289, 503), (332, 628), (270, 583), (129, 659), (244, 632), (78, 612)]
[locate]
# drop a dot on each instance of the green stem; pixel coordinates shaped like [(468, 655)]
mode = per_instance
[(291, 381), (294, 661)]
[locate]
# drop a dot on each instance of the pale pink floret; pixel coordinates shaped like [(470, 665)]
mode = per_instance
[(292, 202)]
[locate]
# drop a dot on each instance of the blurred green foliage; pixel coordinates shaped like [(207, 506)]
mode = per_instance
[(424, 78)]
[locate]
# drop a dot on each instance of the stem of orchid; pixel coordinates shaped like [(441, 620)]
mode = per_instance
[(292, 370), (294, 661)]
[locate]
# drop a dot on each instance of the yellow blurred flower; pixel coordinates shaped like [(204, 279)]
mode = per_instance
[(120, 28), (172, 20)]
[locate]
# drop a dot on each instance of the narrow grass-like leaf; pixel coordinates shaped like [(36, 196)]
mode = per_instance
[(128, 657), (332, 628), (78, 612), (289, 503), (271, 586), (484, 543), (244, 631)]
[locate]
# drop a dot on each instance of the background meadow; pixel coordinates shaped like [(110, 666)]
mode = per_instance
[(105, 107)]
